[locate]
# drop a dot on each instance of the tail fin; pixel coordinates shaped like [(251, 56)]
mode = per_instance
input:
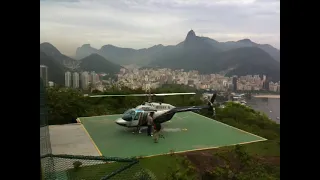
[(210, 103)]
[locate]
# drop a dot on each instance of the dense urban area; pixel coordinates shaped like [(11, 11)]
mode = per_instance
[(153, 78)]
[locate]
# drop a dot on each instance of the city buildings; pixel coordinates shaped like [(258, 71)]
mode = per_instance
[(85, 80), (153, 78), (94, 78), (51, 84), (44, 74), (235, 83), (138, 78), (67, 79), (275, 87), (75, 80)]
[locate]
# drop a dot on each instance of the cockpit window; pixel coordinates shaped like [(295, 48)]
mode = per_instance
[(129, 112), (132, 114), (136, 117), (128, 115)]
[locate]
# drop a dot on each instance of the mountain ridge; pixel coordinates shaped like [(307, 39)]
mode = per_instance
[(59, 63), (53, 52), (196, 53), (99, 64), (126, 56)]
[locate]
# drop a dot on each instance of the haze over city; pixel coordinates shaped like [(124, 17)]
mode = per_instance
[(143, 23)]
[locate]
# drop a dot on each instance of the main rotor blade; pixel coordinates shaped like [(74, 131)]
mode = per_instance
[(118, 95), (160, 94), (173, 94)]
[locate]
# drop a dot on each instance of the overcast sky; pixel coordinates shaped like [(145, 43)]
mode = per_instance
[(68, 24)]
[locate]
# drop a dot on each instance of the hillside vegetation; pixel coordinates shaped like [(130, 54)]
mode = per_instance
[(56, 75), (258, 161)]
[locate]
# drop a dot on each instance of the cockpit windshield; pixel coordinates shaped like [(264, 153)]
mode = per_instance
[(128, 115), (132, 114)]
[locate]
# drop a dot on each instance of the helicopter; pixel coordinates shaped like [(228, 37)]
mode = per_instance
[(162, 112)]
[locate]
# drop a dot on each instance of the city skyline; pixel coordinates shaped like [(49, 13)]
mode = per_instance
[(151, 78), (140, 24)]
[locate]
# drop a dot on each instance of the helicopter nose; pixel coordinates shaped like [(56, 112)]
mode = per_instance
[(121, 122)]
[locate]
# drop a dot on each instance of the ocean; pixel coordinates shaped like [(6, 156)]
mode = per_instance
[(270, 106)]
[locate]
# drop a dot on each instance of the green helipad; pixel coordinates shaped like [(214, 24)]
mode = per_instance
[(185, 132)]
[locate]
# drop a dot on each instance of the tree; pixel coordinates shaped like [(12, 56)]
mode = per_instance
[(65, 104)]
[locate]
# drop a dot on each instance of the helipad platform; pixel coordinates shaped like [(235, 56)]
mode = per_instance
[(187, 131)]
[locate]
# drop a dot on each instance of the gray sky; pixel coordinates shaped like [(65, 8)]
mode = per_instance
[(68, 24)]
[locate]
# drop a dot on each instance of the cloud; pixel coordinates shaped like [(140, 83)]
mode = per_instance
[(142, 23)]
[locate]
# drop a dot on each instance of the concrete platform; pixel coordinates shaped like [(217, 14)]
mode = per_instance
[(185, 132), (71, 139)]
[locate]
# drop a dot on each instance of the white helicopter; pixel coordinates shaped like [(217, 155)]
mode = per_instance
[(162, 112)]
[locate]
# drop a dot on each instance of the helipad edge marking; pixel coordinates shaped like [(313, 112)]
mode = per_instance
[(91, 140), (230, 126), (208, 148)]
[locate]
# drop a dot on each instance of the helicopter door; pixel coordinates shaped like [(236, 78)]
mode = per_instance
[(135, 120)]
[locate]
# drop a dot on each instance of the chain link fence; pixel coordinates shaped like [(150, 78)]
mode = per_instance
[(47, 164), (71, 167)]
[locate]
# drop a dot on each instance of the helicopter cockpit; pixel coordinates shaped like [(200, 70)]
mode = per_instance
[(132, 114)]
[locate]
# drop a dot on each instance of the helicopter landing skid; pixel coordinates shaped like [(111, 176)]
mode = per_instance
[(139, 131)]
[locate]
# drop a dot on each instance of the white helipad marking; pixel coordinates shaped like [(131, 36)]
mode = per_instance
[(172, 130)]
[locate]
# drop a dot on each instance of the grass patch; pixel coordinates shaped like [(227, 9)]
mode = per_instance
[(159, 166), (264, 148), (94, 172), (237, 163)]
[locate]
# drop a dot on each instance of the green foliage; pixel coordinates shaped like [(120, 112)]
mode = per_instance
[(238, 164), (184, 170), (242, 162), (144, 174), (65, 104), (163, 165), (248, 119)]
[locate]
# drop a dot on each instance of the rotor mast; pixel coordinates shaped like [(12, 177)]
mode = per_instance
[(148, 89)]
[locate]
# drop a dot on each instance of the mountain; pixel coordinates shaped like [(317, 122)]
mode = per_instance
[(198, 53), (249, 60), (123, 56), (275, 53), (53, 52), (55, 69), (142, 57), (99, 64), (209, 56), (59, 63), (85, 50)]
